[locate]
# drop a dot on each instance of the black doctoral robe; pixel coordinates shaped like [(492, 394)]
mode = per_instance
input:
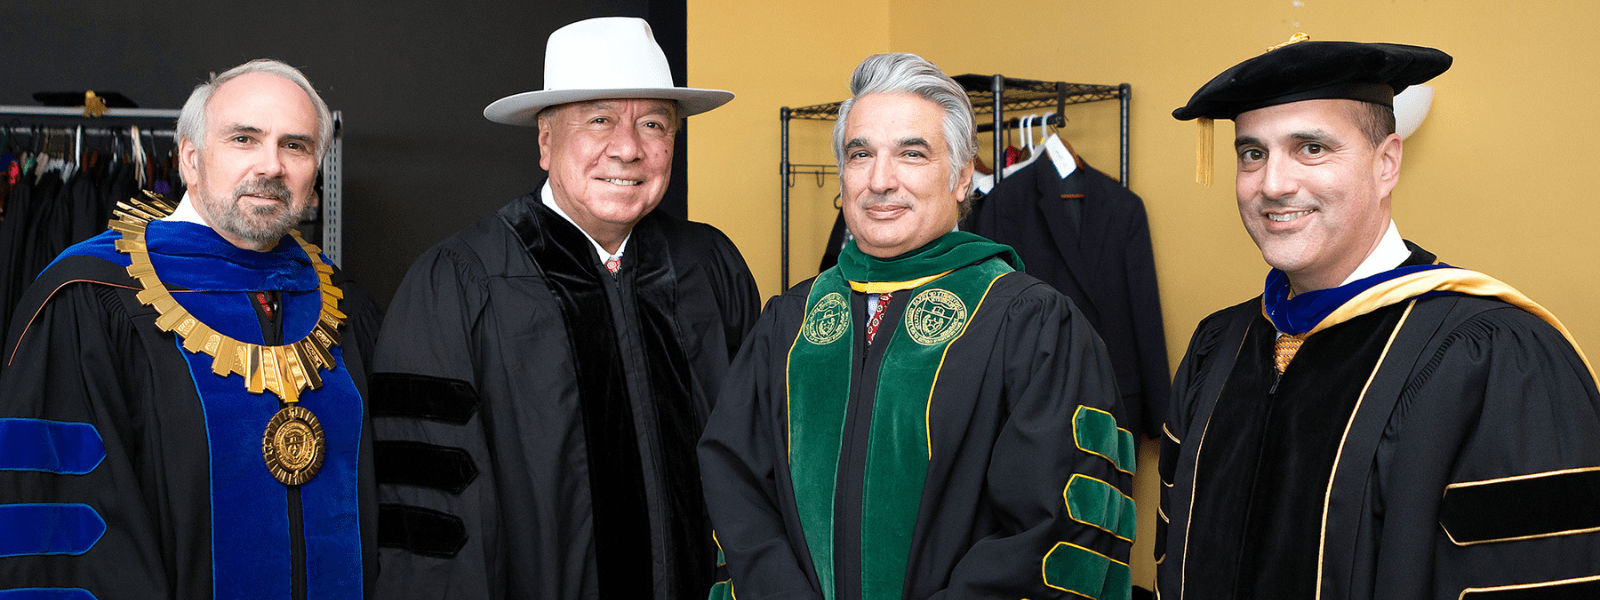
[(1421, 450), (537, 418), (993, 520), (105, 428)]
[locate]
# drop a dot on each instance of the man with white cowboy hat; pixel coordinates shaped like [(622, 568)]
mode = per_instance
[(544, 374)]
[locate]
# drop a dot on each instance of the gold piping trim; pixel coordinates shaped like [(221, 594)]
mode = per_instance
[(883, 287), (927, 411), (284, 370), (788, 388), (1466, 484), (1463, 484), (1464, 281), (1327, 497), (1518, 538), (1526, 586), (714, 540), (1174, 438), (1114, 464), (1074, 517), (1194, 477)]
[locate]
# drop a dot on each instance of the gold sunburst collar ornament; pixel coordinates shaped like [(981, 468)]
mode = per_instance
[(293, 445)]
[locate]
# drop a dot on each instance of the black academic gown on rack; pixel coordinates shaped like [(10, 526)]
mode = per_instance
[(1444, 447), (1088, 237), (46, 213), (537, 417)]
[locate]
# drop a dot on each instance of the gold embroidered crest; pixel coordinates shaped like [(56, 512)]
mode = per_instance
[(935, 316), (828, 320)]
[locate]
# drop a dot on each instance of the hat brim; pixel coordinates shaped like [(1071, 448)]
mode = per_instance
[(523, 109)]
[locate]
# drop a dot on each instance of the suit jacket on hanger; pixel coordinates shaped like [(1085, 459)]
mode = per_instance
[(1088, 236)]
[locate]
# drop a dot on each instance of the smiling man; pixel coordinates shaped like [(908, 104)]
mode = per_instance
[(921, 420), (181, 413), (1377, 424), (545, 373)]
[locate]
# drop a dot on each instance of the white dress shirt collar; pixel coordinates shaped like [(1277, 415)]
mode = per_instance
[(1390, 253), (186, 212), (548, 197)]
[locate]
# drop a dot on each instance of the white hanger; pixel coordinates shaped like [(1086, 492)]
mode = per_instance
[(983, 184), (1065, 163), (138, 154), (1027, 131)]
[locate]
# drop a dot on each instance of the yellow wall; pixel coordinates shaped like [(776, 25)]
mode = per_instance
[(1494, 180), (771, 54)]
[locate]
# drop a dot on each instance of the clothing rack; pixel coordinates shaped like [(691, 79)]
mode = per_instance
[(990, 95), (330, 211)]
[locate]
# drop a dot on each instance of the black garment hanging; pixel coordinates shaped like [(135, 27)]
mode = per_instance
[(55, 203), (1088, 236)]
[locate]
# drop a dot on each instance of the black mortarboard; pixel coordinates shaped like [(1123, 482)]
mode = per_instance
[(1307, 70)]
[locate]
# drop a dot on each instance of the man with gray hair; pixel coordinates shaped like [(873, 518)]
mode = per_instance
[(181, 413), (922, 420)]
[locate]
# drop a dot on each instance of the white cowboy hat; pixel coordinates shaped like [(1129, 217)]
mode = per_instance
[(608, 57)]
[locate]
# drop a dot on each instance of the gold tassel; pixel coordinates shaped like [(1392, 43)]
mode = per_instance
[(93, 106), (1205, 149)]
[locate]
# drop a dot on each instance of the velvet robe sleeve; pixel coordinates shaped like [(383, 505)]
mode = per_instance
[(434, 542), (1488, 472), (1049, 458), (80, 369)]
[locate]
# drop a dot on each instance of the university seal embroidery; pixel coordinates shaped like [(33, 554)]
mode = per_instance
[(827, 321), (293, 445), (935, 316)]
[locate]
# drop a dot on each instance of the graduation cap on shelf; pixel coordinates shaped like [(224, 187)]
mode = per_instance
[(1301, 69)]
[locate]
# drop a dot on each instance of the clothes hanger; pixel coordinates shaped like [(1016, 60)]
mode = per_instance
[(139, 158), (983, 183), (1027, 124), (1060, 156), (1028, 133)]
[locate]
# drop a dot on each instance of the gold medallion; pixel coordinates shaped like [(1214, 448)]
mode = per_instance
[(293, 445)]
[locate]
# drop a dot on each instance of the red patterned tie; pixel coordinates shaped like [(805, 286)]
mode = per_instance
[(614, 265), (877, 317)]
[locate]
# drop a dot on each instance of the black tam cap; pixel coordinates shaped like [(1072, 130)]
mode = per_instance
[(1307, 70)]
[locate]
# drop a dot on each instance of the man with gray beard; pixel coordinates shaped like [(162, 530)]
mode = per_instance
[(179, 414)]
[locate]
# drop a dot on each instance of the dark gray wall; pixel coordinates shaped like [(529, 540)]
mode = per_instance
[(411, 78)]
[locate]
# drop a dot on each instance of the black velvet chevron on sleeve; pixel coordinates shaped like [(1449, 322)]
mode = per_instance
[(1509, 509), (1579, 589), (420, 530), (422, 464), (423, 397)]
